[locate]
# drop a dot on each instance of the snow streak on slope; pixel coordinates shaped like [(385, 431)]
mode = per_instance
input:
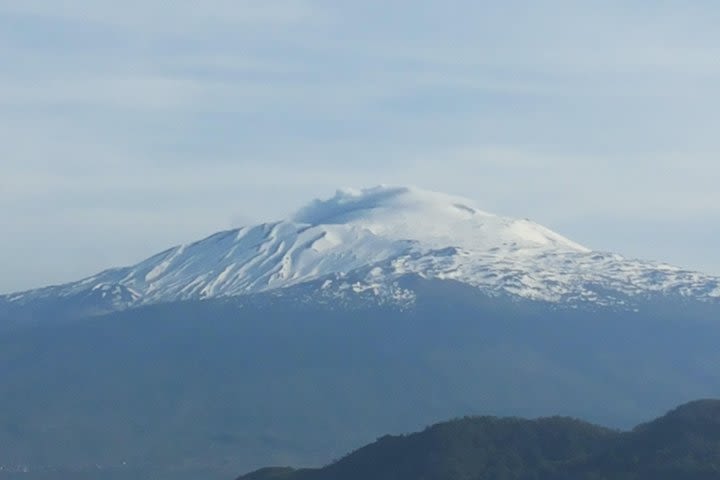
[(369, 239), (246, 260)]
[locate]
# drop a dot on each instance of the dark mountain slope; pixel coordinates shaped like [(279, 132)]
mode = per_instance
[(274, 379)]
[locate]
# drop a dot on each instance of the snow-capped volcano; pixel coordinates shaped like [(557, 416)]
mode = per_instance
[(367, 239)]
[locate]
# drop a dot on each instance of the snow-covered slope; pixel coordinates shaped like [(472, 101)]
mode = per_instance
[(366, 240)]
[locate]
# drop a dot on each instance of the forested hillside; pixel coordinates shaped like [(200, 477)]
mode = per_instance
[(684, 444)]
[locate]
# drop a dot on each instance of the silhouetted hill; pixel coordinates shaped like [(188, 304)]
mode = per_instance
[(684, 444)]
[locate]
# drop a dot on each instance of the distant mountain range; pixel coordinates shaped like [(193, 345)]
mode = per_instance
[(684, 444), (365, 241), (380, 310)]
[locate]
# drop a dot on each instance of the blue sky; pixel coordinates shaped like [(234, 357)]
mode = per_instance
[(127, 127)]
